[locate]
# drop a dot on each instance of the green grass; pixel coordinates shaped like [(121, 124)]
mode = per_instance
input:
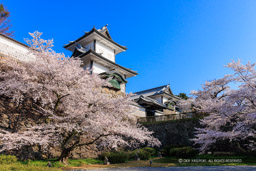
[(81, 162), (22, 167), (41, 165), (71, 162)]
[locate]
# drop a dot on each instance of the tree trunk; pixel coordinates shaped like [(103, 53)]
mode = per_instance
[(66, 151), (240, 148), (66, 148), (64, 160), (64, 155)]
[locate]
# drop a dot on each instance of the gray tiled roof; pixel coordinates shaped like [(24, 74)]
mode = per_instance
[(153, 92), (101, 33), (149, 101)]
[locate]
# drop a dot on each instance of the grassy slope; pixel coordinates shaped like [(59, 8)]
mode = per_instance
[(172, 161), (39, 165), (21, 167)]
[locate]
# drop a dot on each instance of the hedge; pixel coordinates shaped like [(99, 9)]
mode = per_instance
[(7, 159), (183, 152), (116, 157)]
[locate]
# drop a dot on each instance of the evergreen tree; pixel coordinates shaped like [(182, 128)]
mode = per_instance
[(4, 21), (183, 96)]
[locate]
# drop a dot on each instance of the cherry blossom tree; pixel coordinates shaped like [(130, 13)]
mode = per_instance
[(229, 107), (74, 104)]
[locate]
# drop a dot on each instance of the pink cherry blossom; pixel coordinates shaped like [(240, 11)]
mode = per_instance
[(80, 111), (229, 107)]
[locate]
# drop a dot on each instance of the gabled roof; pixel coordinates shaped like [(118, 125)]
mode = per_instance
[(165, 90), (104, 31), (101, 32), (148, 102), (155, 91), (78, 51)]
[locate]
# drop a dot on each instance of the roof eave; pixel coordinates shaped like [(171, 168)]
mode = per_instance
[(132, 73), (151, 89), (151, 101), (14, 40), (96, 31)]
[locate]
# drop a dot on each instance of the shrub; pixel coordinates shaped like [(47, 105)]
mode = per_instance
[(226, 153), (166, 149), (116, 157), (164, 152), (7, 159), (142, 154), (152, 151), (183, 152)]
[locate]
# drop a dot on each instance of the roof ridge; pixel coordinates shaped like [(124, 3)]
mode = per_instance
[(151, 89), (8, 37), (98, 32)]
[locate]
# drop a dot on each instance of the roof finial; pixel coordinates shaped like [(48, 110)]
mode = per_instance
[(104, 27)]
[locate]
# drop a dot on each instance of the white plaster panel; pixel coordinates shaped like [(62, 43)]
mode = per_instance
[(122, 86), (97, 68), (158, 99), (13, 49), (158, 113), (89, 46), (164, 99), (139, 112), (105, 51)]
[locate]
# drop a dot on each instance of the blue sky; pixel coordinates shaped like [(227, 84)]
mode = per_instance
[(176, 42)]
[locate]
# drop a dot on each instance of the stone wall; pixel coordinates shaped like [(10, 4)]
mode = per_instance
[(177, 132), (18, 118)]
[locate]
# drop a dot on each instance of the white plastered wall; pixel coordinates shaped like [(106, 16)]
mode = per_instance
[(164, 99), (139, 111), (90, 46), (157, 98), (10, 48), (158, 113), (122, 86), (105, 51), (97, 68)]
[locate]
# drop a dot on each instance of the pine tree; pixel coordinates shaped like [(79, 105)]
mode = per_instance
[(4, 21)]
